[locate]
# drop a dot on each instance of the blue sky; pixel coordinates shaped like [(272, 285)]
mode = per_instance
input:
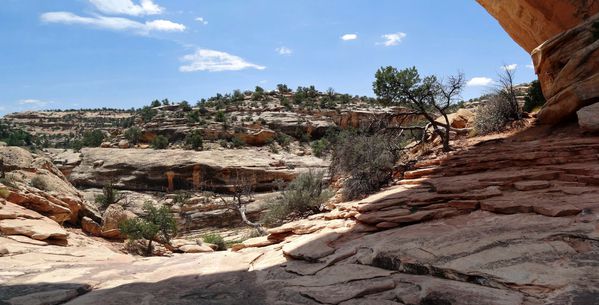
[(125, 53)]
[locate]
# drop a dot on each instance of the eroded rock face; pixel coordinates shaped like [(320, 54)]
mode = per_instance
[(168, 170), (532, 22), (561, 36)]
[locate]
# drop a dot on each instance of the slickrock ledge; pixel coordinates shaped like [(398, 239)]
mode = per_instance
[(505, 221)]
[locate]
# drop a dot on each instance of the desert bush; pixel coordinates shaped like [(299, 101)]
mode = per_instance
[(493, 115), (133, 135), (156, 224), (195, 140), (184, 105), (92, 138), (220, 117), (534, 97), (237, 142), (320, 147), (147, 113), (109, 196), (302, 197), (215, 239), (283, 140), (160, 142), (367, 161), (39, 183)]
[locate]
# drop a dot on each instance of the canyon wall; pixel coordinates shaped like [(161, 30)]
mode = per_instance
[(563, 39)]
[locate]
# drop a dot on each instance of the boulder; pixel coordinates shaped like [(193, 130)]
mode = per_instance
[(91, 227), (39, 229), (111, 219), (123, 144), (588, 118)]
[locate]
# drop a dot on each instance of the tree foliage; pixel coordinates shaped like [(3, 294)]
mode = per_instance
[(156, 224), (534, 97), (426, 96)]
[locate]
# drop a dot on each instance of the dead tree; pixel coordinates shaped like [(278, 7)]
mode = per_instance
[(242, 192)]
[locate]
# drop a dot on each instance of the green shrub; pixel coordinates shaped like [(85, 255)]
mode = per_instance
[(283, 140), (39, 183), (92, 138), (220, 117), (109, 196), (147, 113), (215, 239), (160, 142), (320, 147), (133, 135), (155, 103), (367, 160), (237, 142), (534, 97), (195, 140), (302, 197), (156, 224), (184, 105)]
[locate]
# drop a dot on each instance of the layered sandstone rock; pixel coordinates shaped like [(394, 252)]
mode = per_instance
[(532, 22), (562, 38), (168, 170)]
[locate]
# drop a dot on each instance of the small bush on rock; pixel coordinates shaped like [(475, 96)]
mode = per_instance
[(195, 140), (133, 135), (534, 97), (215, 239), (160, 142), (493, 115), (109, 196), (39, 183), (303, 196)]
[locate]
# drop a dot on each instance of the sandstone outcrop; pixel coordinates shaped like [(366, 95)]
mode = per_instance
[(505, 220), (169, 170), (37, 198), (532, 22), (562, 38)]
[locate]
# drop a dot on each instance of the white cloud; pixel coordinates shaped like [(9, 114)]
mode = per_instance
[(480, 82), (215, 61), (530, 66), (34, 103), (201, 20), (347, 37), (511, 67), (113, 23), (284, 51), (164, 25), (127, 7), (393, 39)]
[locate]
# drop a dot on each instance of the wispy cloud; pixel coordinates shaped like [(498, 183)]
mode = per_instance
[(348, 37), (530, 66), (480, 82), (393, 39), (113, 23), (284, 51), (201, 20), (33, 104), (511, 67), (127, 7), (215, 61)]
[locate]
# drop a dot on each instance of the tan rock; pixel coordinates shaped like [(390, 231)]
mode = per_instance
[(195, 249), (123, 144), (90, 226), (111, 219), (588, 118), (39, 229)]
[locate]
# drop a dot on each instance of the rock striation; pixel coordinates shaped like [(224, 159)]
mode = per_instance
[(562, 38), (169, 170)]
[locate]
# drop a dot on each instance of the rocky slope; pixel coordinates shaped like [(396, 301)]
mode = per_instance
[(509, 219)]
